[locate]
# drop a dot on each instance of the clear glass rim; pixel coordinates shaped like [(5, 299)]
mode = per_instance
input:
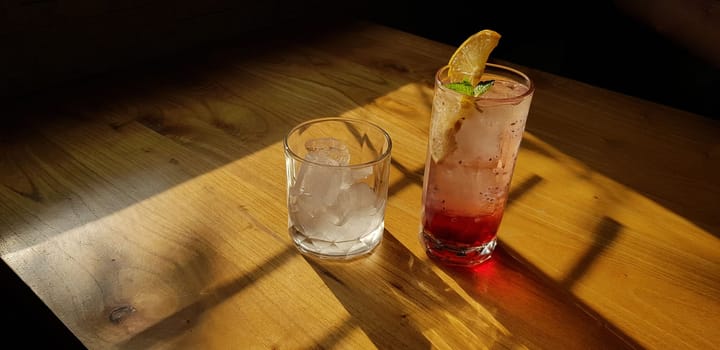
[(379, 159), (529, 92)]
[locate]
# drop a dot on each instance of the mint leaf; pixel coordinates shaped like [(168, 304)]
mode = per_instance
[(482, 87), (464, 88)]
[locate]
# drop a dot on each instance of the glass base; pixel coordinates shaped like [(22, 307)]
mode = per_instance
[(457, 255), (338, 250)]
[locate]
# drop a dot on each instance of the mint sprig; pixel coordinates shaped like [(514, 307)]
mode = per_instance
[(483, 87), (466, 88)]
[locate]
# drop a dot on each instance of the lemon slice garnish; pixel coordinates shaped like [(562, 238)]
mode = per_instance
[(467, 63)]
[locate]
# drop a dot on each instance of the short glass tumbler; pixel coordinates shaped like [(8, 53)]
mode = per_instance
[(337, 183), (467, 178)]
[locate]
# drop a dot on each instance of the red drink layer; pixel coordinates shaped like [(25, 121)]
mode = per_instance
[(457, 239), (461, 231)]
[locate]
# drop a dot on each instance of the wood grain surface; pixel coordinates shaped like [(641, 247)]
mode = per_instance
[(147, 210)]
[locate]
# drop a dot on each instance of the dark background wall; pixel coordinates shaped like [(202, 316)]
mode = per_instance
[(47, 43), (667, 51)]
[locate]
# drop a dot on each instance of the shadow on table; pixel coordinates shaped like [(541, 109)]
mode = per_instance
[(524, 295), (665, 164), (533, 306), (77, 153), (410, 305), (183, 319), (536, 310), (107, 143)]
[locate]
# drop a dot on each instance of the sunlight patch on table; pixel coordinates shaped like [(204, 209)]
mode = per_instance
[(180, 256), (603, 241)]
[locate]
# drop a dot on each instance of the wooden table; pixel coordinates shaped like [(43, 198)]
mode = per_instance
[(147, 210)]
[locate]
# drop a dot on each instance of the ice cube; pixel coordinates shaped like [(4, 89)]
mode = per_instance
[(328, 201), (326, 176), (358, 197), (354, 214), (328, 151), (486, 147), (359, 209), (329, 183), (358, 174), (357, 200)]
